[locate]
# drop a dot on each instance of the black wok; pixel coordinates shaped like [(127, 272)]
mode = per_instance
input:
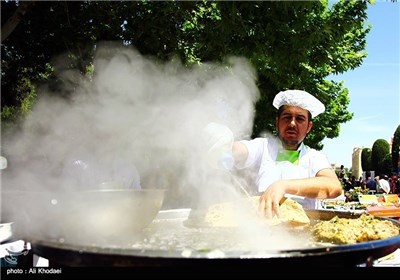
[(140, 257)]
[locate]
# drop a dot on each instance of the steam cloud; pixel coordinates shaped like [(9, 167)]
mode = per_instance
[(136, 120)]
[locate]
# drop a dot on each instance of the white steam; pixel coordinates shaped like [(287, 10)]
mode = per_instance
[(136, 120)]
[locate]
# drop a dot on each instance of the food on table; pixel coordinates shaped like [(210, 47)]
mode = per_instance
[(354, 230)]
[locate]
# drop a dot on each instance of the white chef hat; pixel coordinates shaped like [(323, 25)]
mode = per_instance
[(299, 98)]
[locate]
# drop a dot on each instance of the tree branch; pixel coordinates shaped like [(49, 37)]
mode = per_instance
[(15, 19)]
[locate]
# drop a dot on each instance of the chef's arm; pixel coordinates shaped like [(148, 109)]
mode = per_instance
[(324, 185)]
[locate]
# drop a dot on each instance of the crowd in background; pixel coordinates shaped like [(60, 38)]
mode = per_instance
[(381, 184)]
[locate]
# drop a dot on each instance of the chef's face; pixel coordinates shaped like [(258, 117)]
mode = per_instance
[(293, 124)]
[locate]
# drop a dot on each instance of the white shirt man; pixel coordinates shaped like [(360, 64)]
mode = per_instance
[(384, 185)]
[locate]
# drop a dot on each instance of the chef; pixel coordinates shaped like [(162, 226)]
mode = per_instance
[(284, 165)]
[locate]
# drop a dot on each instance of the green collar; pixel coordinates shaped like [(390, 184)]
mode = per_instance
[(288, 155)]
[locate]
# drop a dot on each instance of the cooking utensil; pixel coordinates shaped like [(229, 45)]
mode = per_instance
[(239, 184)]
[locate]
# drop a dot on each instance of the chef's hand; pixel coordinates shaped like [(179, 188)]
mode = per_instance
[(270, 200), (219, 140)]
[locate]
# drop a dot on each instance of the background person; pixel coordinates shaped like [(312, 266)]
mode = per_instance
[(371, 184), (342, 172), (383, 184)]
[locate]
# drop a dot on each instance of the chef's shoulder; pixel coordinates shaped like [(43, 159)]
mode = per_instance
[(251, 152), (314, 153), (318, 159), (269, 141)]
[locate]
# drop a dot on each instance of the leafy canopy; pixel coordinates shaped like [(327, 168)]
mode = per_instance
[(291, 44)]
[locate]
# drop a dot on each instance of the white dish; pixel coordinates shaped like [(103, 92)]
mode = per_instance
[(5, 231)]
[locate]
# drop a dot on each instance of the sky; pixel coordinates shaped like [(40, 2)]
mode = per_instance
[(374, 88)]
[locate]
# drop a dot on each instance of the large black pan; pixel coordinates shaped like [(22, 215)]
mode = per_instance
[(361, 254), (81, 217)]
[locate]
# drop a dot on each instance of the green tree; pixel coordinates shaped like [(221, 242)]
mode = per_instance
[(380, 150), (291, 44), (396, 150), (366, 159), (386, 164)]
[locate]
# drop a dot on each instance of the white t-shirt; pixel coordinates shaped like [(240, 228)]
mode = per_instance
[(261, 158), (384, 185)]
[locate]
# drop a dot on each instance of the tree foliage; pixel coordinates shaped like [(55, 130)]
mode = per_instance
[(366, 159), (386, 164), (380, 150), (291, 44), (396, 150)]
